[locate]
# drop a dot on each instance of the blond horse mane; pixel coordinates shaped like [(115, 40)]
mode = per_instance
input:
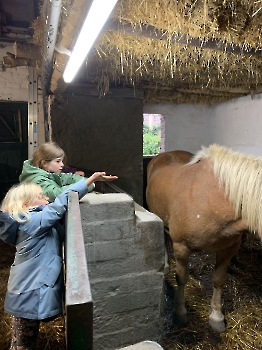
[(241, 175)]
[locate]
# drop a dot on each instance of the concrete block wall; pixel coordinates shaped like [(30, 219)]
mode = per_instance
[(14, 84), (13, 81), (14, 87), (125, 255)]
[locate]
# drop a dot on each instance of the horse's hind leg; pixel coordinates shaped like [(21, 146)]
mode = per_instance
[(181, 256), (169, 251), (223, 257)]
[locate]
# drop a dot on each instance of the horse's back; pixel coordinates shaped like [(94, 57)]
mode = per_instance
[(166, 159), (163, 172)]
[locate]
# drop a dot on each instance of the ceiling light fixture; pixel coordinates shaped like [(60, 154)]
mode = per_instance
[(96, 18)]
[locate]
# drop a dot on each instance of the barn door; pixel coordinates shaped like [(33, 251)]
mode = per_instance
[(13, 143)]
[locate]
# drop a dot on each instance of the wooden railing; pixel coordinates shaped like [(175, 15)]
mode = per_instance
[(78, 298)]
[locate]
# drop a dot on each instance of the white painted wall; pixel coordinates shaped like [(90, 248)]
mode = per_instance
[(236, 124), (187, 126)]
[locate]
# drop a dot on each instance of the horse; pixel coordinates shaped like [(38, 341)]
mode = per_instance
[(208, 201)]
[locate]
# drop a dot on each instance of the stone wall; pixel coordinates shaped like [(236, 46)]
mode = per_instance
[(125, 256)]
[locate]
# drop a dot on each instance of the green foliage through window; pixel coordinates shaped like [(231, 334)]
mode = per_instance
[(151, 140)]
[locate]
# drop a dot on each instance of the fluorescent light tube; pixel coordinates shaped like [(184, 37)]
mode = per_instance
[(97, 16)]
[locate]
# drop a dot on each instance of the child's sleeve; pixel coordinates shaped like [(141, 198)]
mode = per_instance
[(53, 212), (69, 179), (52, 189)]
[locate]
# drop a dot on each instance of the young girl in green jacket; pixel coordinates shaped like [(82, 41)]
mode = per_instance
[(46, 170)]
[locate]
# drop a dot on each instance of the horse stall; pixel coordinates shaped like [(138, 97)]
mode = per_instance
[(241, 294)]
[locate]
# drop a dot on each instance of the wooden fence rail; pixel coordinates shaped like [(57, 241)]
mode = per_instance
[(78, 298)]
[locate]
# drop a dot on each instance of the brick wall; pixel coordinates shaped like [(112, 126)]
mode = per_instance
[(152, 119)]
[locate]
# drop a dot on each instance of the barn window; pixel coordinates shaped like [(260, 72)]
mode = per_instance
[(153, 134)]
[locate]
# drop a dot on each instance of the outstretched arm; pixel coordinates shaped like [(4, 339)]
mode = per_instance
[(100, 176), (52, 213)]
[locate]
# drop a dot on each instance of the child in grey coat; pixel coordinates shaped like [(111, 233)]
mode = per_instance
[(35, 284)]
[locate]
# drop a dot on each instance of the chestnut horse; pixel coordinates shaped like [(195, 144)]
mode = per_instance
[(207, 201)]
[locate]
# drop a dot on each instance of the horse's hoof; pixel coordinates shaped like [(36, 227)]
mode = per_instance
[(217, 326), (180, 319)]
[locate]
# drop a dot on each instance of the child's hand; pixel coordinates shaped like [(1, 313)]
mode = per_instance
[(100, 176), (79, 172), (109, 178)]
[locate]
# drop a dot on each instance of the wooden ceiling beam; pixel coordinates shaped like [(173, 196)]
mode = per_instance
[(151, 32)]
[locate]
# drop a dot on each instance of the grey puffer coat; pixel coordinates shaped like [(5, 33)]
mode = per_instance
[(35, 284)]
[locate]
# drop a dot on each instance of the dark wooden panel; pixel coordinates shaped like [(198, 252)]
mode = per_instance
[(12, 155)]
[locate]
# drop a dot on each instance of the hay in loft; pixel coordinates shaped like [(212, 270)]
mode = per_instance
[(195, 97), (204, 45), (38, 25), (234, 21), (133, 62), (38, 29)]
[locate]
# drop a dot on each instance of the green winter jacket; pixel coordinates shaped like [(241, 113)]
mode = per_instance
[(51, 183)]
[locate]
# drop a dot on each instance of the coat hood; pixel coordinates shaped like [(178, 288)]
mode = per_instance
[(29, 171), (8, 228)]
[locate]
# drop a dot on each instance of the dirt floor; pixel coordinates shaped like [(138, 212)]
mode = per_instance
[(242, 301)]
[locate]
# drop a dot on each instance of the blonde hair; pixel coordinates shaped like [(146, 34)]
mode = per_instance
[(16, 198), (241, 176), (46, 152)]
